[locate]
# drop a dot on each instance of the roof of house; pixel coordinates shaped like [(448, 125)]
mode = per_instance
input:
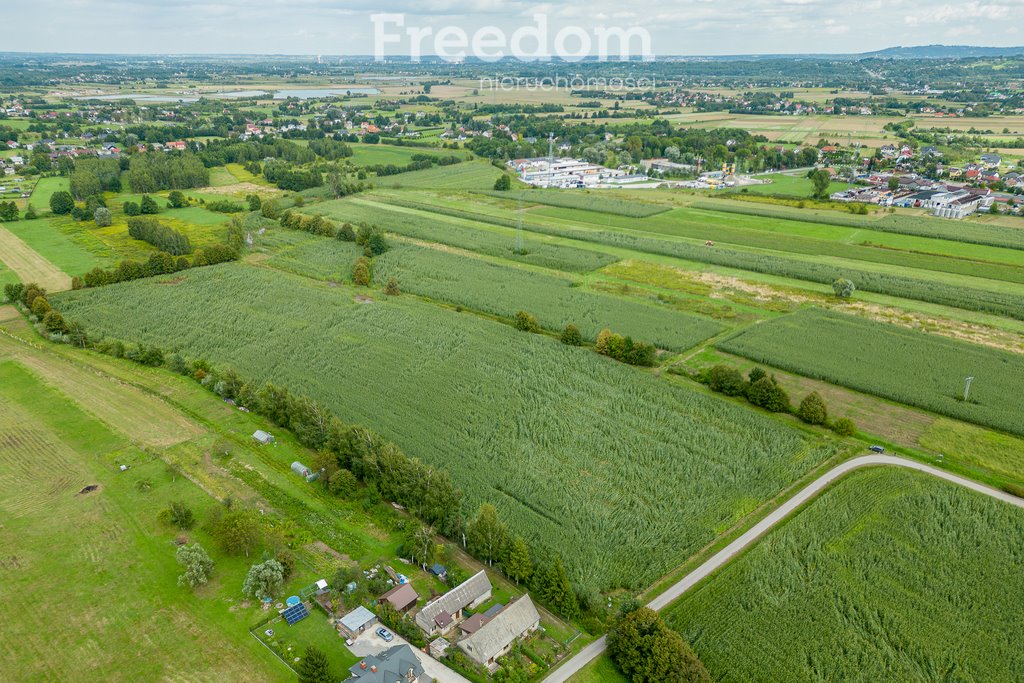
[(454, 600), (391, 665), (401, 596), (497, 634), (473, 624), (357, 618)]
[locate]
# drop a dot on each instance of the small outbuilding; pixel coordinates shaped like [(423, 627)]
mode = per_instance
[(356, 622), (263, 437), (401, 597)]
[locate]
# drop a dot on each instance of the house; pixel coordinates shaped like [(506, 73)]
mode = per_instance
[(263, 437), (397, 664), (178, 145), (495, 637), (402, 597), (991, 160), (438, 615), (356, 622)]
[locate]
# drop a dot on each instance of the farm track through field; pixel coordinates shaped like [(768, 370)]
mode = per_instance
[(774, 518), (130, 411), (30, 266)]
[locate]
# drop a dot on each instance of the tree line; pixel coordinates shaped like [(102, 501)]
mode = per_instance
[(162, 237)]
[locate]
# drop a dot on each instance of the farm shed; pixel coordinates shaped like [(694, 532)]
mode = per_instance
[(439, 614), (401, 597), (263, 437), (356, 621)]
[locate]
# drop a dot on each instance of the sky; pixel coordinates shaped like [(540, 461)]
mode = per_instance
[(344, 27)]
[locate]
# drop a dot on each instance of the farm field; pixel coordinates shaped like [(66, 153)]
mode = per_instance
[(117, 567), (903, 365), (785, 184), (371, 155), (508, 433), (55, 240), (953, 290), (471, 235), (555, 301), (44, 189), (886, 576), (28, 265), (469, 175), (601, 202)]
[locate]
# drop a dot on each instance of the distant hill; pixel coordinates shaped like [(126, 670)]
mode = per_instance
[(943, 52)]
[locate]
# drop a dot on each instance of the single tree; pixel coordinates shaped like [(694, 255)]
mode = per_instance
[(176, 200), (821, 180), (254, 201), (180, 515), (237, 532), (131, 209), (264, 580), (558, 592), (894, 184), (726, 380), (648, 651), (148, 205), (102, 217), (503, 183), (391, 289), (61, 202), (843, 288), (486, 535), (517, 562), (197, 563), (813, 410), (315, 668)]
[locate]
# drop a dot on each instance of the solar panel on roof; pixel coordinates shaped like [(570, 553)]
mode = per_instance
[(295, 613)]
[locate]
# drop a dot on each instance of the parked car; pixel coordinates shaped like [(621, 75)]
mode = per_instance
[(385, 635), (876, 449)]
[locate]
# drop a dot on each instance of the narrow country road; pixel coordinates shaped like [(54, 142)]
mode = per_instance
[(592, 651)]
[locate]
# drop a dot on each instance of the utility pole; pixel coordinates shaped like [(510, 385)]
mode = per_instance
[(967, 387)]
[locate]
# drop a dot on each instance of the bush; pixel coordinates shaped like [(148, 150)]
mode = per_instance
[(361, 272), (813, 410), (726, 380), (176, 200), (571, 336), (767, 394), (648, 651), (160, 236), (131, 209), (179, 515), (1014, 490), (503, 183), (524, 322), (844, 426), (102, 217), (391, 289), (148, 205)]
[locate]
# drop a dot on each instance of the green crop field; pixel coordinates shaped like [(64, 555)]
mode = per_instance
[(469, 235), (970, 231), (116, 609), (555, 301), (785, 184), (372, 155), (562, 444), (894, 362), (890, 575), (789, 237), (469, 175), (321, 259), (601, 202)]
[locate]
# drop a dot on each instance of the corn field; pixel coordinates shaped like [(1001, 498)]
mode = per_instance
[(554, 301), (622, 473), (586, 200), (889, 576), (903, 365)]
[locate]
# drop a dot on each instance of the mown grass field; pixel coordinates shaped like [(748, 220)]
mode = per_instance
[(372, 155), (889, 575), (786, 184), (44, 189), (469, 175), (116, 610), (555, 301), (907, 366), (562, 444)]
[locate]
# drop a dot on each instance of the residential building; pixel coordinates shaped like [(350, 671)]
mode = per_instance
[(441, 613), (397, 664), (495, 637)]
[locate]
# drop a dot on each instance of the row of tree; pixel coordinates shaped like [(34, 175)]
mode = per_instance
[(764, 390), (162, 237)]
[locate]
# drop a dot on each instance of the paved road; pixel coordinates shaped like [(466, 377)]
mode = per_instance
[(592, 651)]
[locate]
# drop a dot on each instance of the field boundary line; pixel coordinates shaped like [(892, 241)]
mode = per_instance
[(774, 518)]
